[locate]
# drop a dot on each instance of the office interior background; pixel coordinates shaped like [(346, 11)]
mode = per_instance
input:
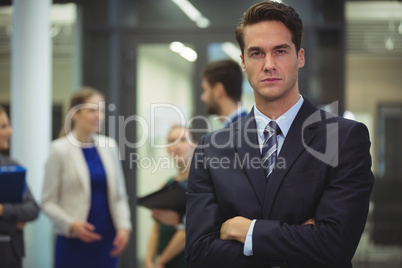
[(132, 51)]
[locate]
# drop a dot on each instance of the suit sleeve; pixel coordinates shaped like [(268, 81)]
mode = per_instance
[(340, 215), (51, 193), (28, 210), (204, 220)]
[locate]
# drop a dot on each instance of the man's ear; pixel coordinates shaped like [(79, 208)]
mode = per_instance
[(300, 58), (243, 67), (219, 90)]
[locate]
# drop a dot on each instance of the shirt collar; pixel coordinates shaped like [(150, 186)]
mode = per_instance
[(236, 112), (284, 121)]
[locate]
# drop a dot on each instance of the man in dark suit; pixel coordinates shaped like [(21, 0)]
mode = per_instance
[(288, 185)]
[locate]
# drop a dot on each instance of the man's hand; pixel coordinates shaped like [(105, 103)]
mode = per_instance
[(120, 242), (235, 229), (309, 221), (20, 225), (166, 216), (85, 231)]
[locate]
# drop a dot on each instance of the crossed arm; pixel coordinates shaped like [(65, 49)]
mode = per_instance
[(328, 240), (236, 228)]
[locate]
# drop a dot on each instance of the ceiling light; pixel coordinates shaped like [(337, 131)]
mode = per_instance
[(188, 9), (176, 46), (203, 22), (193, 13), (186, 52), (189, 54)]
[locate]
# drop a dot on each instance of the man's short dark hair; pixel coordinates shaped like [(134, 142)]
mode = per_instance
[(271, 11), (227, 72)]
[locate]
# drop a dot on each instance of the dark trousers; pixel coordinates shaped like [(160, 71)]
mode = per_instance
[(8, 256)]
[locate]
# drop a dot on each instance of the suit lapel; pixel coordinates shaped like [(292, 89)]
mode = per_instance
[(291, 150), (247, 148)]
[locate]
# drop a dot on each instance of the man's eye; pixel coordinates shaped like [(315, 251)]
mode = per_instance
[(280, 51), (256, 54)]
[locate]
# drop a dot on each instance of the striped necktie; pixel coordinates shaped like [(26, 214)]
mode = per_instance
[(270, 147)]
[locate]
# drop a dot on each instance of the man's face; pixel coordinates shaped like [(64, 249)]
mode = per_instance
[(208, 98), (270, 61)]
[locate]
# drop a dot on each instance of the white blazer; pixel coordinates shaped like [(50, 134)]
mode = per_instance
[(66, 195)]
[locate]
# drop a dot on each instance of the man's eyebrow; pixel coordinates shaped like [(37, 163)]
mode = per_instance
[(282, 46), (256, 48)]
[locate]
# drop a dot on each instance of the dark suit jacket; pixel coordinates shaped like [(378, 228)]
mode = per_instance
[(226, 180), (28, 210)]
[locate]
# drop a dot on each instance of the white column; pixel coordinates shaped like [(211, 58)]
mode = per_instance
[(31, 112)]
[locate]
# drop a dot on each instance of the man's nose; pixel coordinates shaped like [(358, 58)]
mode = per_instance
[(269, 64)]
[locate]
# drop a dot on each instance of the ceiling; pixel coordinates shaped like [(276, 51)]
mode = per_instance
[(373, 28), (165, 13)]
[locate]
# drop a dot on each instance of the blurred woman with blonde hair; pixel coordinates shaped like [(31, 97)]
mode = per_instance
[(84, 191), (166, 242)]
